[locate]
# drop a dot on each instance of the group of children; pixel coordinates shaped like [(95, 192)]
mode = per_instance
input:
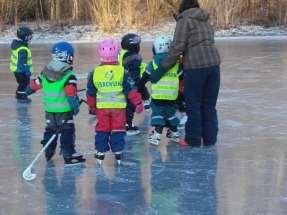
[(116, 90)]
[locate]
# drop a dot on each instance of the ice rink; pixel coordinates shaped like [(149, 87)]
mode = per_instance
[(245, 174)]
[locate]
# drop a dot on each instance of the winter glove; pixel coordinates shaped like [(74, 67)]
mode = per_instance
[(29, 91), (74, 103), (139, 108), (92, 111)]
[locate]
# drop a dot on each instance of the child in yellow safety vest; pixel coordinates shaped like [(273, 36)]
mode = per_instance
[(164, 93), (59, 85), (21, 62), (108, 90)]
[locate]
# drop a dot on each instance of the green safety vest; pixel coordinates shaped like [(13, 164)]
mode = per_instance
[(167, 87), (121, 60), (108, 80), (121, 56), (55, 99), (14, 58)]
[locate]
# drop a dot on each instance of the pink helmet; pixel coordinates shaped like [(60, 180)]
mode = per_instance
[(108, 51)]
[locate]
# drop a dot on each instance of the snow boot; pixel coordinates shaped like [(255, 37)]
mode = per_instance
[(119, 156), (74, 159), (132, 130), (100, 156), (154, 138), (173, 136)]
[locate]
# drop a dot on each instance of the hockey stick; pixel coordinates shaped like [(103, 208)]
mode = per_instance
[(27, 173)]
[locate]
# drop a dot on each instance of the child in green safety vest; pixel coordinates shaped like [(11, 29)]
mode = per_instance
[(164, 93), (59, 85), (21, 62), (108, 91)]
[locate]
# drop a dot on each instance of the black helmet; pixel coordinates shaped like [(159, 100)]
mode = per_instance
[(24, 34), (131, 42)]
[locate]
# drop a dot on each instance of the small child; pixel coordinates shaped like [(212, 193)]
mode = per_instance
[(164, 93), (21, 62), (131, 60), (59, 84), (108, 90)]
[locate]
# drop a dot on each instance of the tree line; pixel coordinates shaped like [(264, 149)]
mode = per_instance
[(109, 14)]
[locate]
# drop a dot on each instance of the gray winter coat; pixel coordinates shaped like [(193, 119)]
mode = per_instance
[(194, 38)]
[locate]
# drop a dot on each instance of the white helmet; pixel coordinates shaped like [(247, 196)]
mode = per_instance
[(161, 44)]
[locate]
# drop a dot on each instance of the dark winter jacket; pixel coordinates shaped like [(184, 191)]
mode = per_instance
[(194, 38), (22, 66)]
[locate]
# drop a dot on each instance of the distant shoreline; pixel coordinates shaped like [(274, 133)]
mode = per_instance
[(46, 33)]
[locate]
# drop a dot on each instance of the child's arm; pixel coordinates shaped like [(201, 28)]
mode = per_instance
[(132, 64), (70, 89), (22, 65), (34, 86), (91, 94), (133, 95)]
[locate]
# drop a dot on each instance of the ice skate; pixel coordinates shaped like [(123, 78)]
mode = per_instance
[(183, 120), (100, 156), (146, 104), (173, 136), (132, 130), (74, 159), (154, 138), (49, 154), (119, 156)]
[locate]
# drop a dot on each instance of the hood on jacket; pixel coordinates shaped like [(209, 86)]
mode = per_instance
[(17, 43), (55, 70), (194, 13)]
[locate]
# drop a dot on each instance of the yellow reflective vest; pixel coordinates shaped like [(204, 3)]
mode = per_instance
[(108, 80), (14, 58), (168, 86)]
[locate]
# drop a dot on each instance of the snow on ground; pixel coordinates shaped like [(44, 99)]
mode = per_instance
[(44, 33)]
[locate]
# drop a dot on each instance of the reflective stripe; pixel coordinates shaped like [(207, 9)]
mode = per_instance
[(157, 117), (21, 92), (103, 99), (57, 105), (165, 92), (110, 94), (73, 81), (54, 94), (171, 118), (71, 121), (168, 83)]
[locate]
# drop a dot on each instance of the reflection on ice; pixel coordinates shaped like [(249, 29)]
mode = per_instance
[(244, 174)]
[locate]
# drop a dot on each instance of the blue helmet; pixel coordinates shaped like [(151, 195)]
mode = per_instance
[(161, 44), (24, 33), (63, 51)]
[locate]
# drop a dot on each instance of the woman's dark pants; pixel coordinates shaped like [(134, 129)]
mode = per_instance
[(201, 88)]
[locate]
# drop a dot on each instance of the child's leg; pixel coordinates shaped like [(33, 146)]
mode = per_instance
[(68, 138), (103, 131), (117, 140), (50, 130), (130, 111), (158, 122), (23, 82), (172, 122)]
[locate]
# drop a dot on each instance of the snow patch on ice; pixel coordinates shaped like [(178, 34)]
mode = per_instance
[(45, 33)]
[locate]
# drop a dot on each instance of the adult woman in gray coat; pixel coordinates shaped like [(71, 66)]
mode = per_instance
[(194, 39)]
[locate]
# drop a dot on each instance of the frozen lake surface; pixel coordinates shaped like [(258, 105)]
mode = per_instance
[(246, 173)]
